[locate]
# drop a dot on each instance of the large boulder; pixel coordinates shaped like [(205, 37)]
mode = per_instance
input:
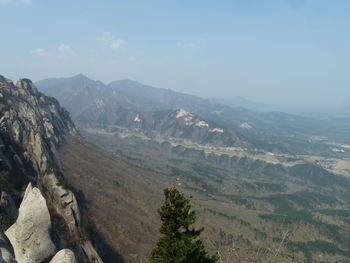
[(6, 253), (30, 235), (64, 256)]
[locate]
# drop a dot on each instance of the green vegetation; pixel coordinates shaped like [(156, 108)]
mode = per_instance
[(317, 175), (258, 234), (178, 241), (214, 174), (195, 179), (175, 161), (229, 217), (271, 187), (266, 200), (289, 217), (241, 201), (308, 248), (331, 231), (301, 199), (335, 212)]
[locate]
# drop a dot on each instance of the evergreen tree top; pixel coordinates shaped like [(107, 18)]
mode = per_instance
[(178, 241)]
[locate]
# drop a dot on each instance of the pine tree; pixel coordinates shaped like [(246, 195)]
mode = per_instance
[(178, 241)]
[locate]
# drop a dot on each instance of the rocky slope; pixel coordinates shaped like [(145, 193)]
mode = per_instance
[(32, 127)]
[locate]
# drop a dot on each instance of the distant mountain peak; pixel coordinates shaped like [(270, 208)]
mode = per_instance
[(81, 76), (125, 83), (129, 81)]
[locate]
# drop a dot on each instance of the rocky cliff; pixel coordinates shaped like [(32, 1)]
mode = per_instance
[(32, 127)]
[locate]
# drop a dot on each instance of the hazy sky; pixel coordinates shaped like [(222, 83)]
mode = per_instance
[(292, 52)]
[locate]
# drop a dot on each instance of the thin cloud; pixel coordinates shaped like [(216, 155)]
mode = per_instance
[(114, 43), (64, 49), (186, 45), (40, 52)]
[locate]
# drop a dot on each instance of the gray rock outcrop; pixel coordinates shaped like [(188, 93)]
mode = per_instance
[(30, 235), (6, 254), (64, 256), (34, 121), (65, 202), (32, 127)]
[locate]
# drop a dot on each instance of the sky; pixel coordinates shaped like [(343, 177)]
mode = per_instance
[(292, 53)]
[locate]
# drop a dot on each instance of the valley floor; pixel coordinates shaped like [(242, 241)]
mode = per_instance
[(267, 213)]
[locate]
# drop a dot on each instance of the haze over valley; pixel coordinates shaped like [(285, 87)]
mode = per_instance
[(268, 165), (174, 131)]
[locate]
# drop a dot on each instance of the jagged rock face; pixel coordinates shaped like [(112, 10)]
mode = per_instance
[(32, 126), (30, 235), (64, 256), (6, 254), (34, 121), (67, 205)]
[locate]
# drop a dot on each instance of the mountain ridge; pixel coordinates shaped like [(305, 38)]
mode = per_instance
[(96, 104), (32, 128)]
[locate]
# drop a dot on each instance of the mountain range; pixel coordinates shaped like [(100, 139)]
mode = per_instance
[(91, 101), (267, 187), (255, 177)]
